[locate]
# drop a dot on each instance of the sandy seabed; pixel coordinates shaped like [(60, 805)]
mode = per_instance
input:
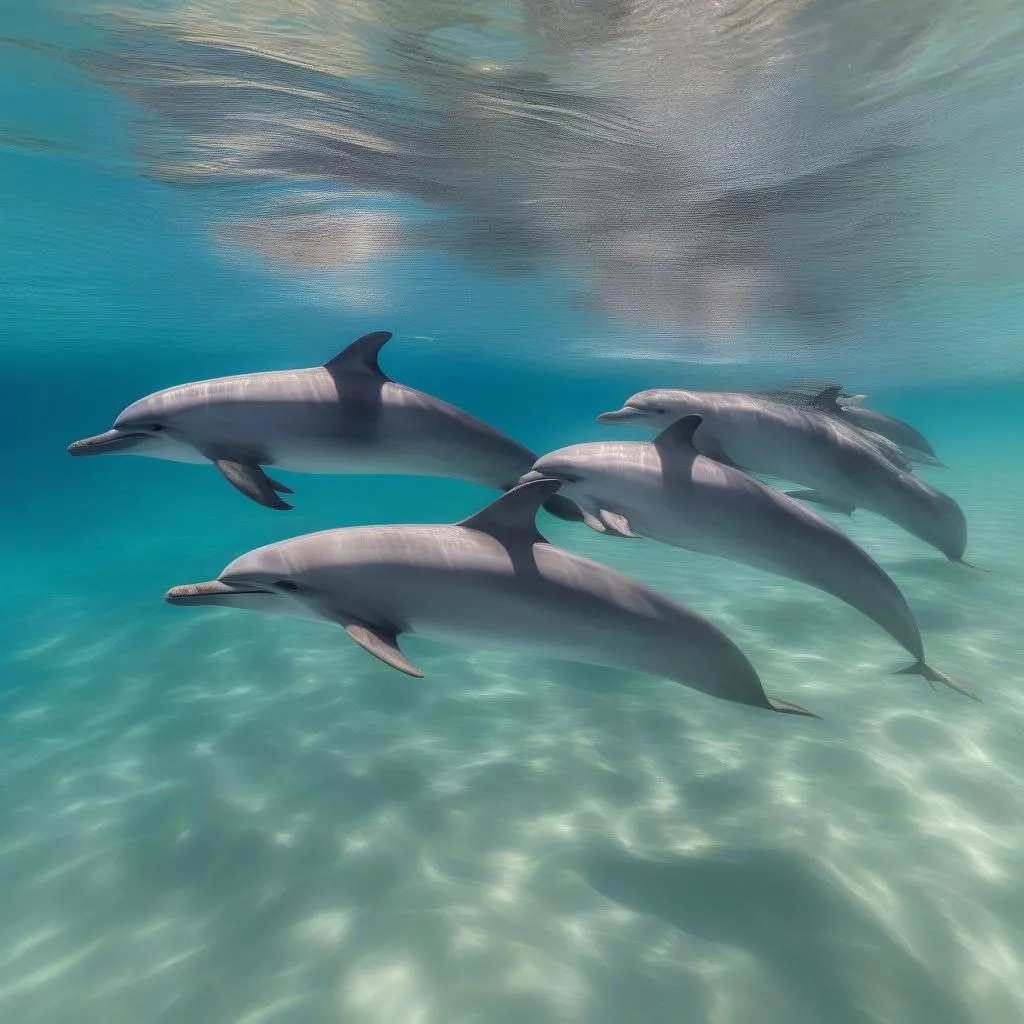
[(210, 817)]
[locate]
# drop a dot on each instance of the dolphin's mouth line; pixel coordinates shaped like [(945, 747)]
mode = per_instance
[(212, 591), (109, 441), (623, 415)]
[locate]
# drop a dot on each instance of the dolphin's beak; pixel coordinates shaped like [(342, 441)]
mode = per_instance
[(102, 444), (623, 415), (211, 592)]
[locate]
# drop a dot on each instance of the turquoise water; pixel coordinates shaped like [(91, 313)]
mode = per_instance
[(208, 817)]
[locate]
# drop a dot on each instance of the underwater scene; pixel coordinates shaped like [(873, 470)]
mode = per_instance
[(513, 512)]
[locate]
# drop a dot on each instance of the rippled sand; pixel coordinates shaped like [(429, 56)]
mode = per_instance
[(216, 818)]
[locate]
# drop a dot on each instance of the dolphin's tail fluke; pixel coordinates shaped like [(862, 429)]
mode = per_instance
[(933, 675), (786, 708)]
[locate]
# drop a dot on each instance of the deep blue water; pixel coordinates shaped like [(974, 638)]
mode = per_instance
[(215, 818)]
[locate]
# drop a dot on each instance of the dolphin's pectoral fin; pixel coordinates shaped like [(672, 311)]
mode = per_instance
[(924, 458), (970, 565), (382, 643), (594, 522), (250, 479), (361, 355), (788, 708), (933, 675), (820, 499), (709, 446), (886, 449), (280, 488), (600, 520), (617, 525), (562, 508), (513, 515)]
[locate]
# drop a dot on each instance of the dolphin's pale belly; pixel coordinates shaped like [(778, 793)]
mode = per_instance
[(497, 638), (335, 457), (712, 539), (529, 610), (531, 627), (414, 454)]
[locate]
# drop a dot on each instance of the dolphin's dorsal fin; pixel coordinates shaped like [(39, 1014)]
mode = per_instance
[(811, 394), (361, 355), (809, 388), (680, 433), (827, 399), (514, 514)]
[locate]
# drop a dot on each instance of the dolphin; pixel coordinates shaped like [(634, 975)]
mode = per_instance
[(842, 466), (346, 416), (831, 398), (666, 490), (490, 581)]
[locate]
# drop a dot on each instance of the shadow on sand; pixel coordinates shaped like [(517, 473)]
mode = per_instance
[(830, 959)]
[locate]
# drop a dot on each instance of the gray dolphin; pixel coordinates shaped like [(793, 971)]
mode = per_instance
[(843, 467), (346, 416), (667, 491), (490, 581), (831, 398)]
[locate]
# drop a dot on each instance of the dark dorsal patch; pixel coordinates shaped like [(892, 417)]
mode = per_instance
[(360, 383), (827, 400), (811, 387), (513, 516), (361, 356), (810, 394), (679, 434)]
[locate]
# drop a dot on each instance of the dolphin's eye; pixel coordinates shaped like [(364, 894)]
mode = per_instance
[(661, 412), (157, 426), (286, 585)]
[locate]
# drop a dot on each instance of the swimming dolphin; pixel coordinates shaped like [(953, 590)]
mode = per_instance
[(667, 491), (343, 417), (490, 581), (830, 398), (843, 467)]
